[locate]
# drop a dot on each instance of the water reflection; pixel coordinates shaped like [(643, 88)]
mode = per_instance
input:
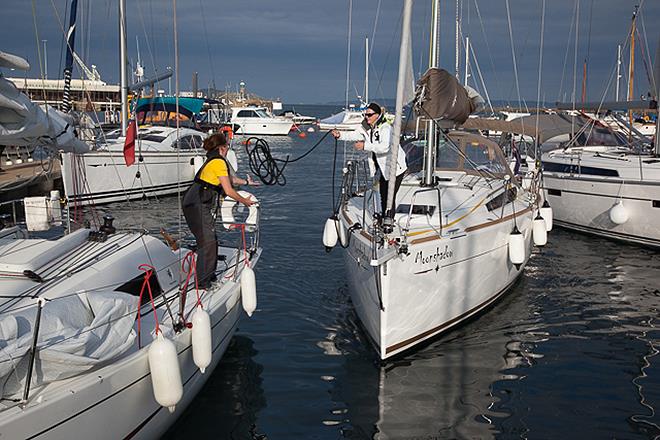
[(228, 405)]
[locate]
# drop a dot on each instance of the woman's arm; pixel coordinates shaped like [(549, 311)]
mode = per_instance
[(231, 192)]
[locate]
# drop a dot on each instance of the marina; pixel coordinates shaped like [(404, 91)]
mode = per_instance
[(412, 254)]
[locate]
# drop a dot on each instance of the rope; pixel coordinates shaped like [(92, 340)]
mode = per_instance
[(265, 166), (148, 271)]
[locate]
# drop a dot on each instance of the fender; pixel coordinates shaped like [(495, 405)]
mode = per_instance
[(227, 214)]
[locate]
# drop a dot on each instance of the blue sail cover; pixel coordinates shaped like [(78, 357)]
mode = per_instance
[(187, 106)]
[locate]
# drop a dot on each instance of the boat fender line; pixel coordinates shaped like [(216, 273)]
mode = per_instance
[(227, 214)]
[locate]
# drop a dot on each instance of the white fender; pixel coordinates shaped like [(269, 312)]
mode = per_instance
[(619, 213), (165, 373), (248, 290), (341, 233), (546, 213), (202, 339), (227, 211), (516, 247), (539, 231), (330, 233)]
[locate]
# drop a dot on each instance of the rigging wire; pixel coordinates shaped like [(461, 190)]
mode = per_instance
[(348, 55), (513, 56)]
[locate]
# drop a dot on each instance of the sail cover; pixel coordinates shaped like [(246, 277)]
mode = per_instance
[(24, 123), (439, 95)]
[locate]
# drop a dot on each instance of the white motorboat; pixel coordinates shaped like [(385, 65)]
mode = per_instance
[(460, 236), (297, 118), (346, 120), (259, 121)]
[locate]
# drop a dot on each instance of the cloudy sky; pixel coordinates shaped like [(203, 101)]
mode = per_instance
[(297, 50)]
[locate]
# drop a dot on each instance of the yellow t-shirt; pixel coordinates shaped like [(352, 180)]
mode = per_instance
[(213, 170)]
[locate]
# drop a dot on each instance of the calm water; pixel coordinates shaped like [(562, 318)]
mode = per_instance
[(569, 352)]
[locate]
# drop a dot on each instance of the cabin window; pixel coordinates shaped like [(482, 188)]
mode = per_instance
[(133, 286), (246, 114), (417, 209), (656, 203), (151, 137), (575, 169), (554, 192), (185, 143), (502, 199)]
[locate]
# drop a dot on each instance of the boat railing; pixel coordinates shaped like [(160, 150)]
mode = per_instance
[(411, 208)]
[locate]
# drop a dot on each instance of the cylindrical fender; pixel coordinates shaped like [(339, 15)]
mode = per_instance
[(227, 214)]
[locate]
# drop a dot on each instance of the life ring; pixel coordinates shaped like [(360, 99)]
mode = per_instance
[(228, 132), (227, 212)]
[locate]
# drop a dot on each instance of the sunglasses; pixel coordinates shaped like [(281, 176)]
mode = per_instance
[(368, 115)]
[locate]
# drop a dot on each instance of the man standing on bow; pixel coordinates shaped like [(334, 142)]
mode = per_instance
[(375, 135)]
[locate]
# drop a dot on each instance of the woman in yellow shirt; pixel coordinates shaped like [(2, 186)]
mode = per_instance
[(212, 180)]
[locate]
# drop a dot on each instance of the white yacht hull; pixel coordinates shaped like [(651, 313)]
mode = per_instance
[(103, 177), (583, 203), (116, 399), (441, 283), (265, 128)]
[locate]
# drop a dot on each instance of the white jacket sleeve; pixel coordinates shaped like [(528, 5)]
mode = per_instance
[(381, 140), (352, 135)]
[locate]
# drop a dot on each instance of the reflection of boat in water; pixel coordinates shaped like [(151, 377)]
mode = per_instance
[(233, 394), (441, 391)]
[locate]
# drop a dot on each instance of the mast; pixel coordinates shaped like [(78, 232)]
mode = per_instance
[(400, 90), (656, 89), (434, 55), (366, 71), (618, 71), (467, 60), (68, 66), (123, 53), (631, 68), (458, 41)]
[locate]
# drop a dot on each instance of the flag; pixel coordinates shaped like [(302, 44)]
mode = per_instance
[(129, 144)]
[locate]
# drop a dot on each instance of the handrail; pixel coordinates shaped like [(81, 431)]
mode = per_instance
[(412, 205)]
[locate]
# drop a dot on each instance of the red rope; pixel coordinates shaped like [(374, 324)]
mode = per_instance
[(148, 271), (192, 267)]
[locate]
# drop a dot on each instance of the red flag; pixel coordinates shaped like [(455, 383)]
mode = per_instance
[(129, 144)]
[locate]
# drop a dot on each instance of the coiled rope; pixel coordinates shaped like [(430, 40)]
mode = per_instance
[(266, 167)]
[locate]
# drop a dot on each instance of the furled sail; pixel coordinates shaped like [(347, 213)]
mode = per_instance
[(440, 96), (24, 123)]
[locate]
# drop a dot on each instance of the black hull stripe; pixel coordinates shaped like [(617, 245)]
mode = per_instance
[(609, 234), (142, 190), (143, 423), (594, 195), (619, 181)]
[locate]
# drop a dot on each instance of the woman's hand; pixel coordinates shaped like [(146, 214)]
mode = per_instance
[(251, 182), (335, 133), (247, 201)]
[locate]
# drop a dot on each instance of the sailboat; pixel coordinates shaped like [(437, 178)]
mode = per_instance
[(167, 144), (104, 334), (460, 234)]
